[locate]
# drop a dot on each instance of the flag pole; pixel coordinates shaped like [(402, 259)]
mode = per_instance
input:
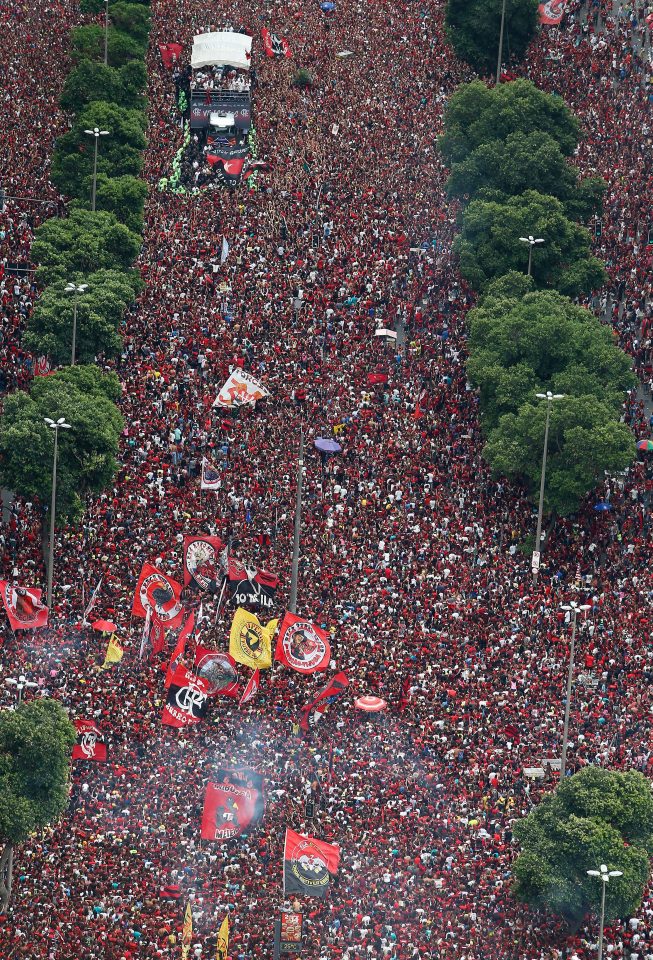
[(292, 606)]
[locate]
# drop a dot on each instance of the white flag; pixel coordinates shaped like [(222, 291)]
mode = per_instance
[(210, 477), (225, 250), (91, 603)]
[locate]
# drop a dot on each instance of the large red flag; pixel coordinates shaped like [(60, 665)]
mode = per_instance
[(301, 645), (90, 744), (180, 647), (232, 804), (23, 606), (161, 594)]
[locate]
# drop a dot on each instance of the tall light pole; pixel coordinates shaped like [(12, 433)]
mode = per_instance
[(531, 241), (605, 876), (573, 609), (97, 133), (292, 605), (57, 425), (20, 683), (549, 397), (500, 57), (106, 32), (75, 289)]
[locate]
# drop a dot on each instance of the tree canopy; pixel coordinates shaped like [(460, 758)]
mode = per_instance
[(477, 115), (489, 244), (585, 439), (85, 396), (521, 162), (88, 44), (36, 742), (119, 153), (472, 28), (89, 80), (100, 310), (541, 341), (82, 243), (597, 816)]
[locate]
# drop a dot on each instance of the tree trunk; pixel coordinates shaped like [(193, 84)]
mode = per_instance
[(6, 875)]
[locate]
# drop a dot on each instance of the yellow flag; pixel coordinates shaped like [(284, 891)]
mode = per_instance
[(114, 653), (186, 933), (250, 642), (223, 940)]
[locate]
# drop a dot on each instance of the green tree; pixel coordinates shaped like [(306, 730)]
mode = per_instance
[(94, 6), (542, 340), (597, 816), (82, 243), (585, 439), (472, 28), (489, 244), (100, 310), (477, 114), (119, 153), (88, 44), (36, 741), (122, 196), (525, 161), (87, 453), (132, 19), (89, 80)]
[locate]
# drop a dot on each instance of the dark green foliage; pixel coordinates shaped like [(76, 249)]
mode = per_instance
[(82, 243), (597, 816), (87, 453), (472, 28)]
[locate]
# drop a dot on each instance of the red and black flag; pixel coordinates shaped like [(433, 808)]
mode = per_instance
[(252, 688), (23, 606), (230, 157), (254, 588), (301, 645), (327, 695), (202, 562), (188, 699), (273, 45), (90, 743), (309, 865), (219, 671), (180, 647), (234, 802), (159, 593)]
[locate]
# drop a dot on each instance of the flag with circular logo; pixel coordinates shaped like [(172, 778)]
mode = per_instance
[(188, 699), (250, 642), (90, 744), (301, 645), (308, 864), (158, 592)]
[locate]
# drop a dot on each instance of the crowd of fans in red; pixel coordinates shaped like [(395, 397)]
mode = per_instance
[(411, 553)]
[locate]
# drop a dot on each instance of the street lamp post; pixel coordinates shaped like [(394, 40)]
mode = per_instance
[(549, 397), (572, 608), (531, 241), (501, 30), (56, 426), (292, 605), (97, 133), (20, 683), (106, 32), (605, 876), (75, 289)]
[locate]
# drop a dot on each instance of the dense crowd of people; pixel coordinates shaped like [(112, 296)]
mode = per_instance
[(413, 557)]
